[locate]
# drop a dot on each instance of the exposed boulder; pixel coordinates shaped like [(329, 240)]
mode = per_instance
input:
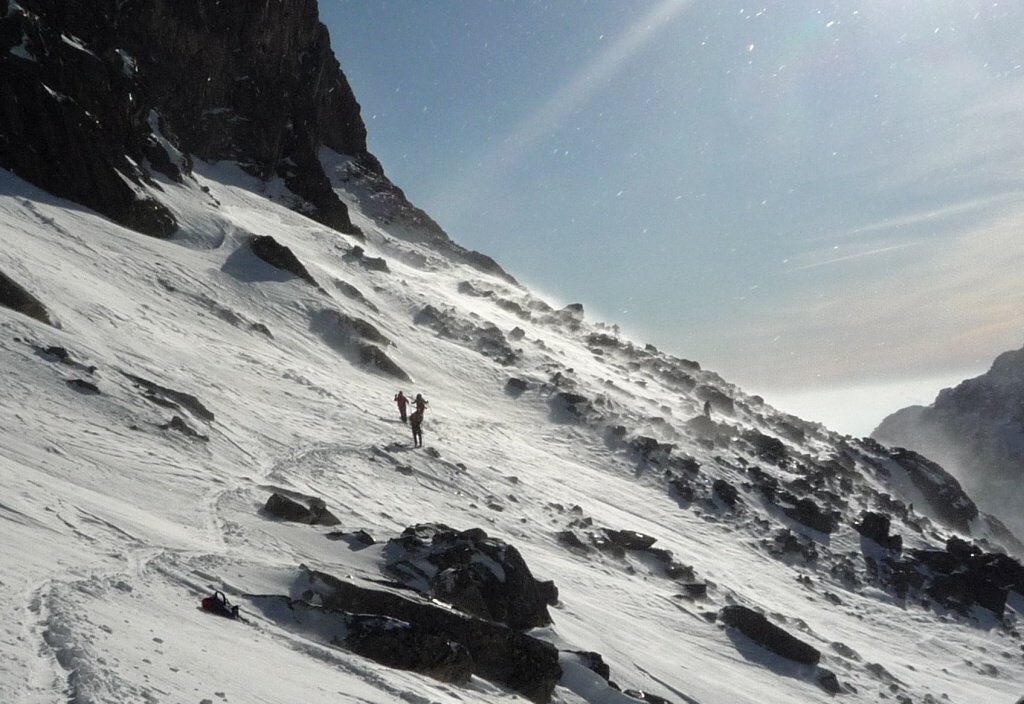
[(400, 645), (358, 256), (169, 398), (388, 641), (806, 512), (964, 575), (180, 425), (316, 513), (516, 386), (340, 330), (87, 387), (357, 340), (477, 574), (875, 526), (630, 540), (500, 654), (759, 629), (280, 257), (725, 492), (374, 356), (570, 406), (15, 297), (766, 447)]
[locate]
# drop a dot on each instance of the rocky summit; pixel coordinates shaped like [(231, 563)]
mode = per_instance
[(210, 299)]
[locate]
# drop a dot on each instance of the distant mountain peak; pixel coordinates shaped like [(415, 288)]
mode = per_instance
[(975, 430)]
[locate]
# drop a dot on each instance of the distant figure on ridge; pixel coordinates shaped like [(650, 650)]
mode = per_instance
[(415, 421), (421, 404), (707, 409), (402, 402)]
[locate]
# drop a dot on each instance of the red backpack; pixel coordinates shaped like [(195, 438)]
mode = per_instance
[(218, 604)]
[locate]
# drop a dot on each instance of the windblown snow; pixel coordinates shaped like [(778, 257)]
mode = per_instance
[(183, 382)]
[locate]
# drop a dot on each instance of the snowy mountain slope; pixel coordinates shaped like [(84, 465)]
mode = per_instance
[(117, 519)]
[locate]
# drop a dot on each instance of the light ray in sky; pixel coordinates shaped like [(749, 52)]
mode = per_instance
[(589, 79), (856, 255)]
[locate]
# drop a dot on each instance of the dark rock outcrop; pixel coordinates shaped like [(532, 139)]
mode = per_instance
[(74, 116), (875, 526), (769, 636), (280, 506), (169, 398), (725, 492), (808, 513), (630, 540), (405, 647), (138, 88), (180, 425), (476, 574), (280, 257), (388, 641), (940, 489), (500, 654), (15, 297), (360, 341)]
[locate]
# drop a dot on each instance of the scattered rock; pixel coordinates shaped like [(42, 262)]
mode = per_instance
[(726, 492), (516, 386), (280, 506), (169, 398), (875, 526), (178, 424), (85, 387), (357, 540), (400, 645), (476, 574), (280, 257), (15, 297), (358, 255), (570, 540), (630, 540), (769, 636), (371, 355), (646, 696), (499, 653), (807, 513)]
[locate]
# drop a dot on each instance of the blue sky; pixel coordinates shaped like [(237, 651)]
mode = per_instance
[(808, 197)]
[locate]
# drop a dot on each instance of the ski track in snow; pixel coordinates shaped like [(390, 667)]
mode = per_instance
[(114, 529)]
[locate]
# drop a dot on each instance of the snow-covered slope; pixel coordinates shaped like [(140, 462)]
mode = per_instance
[(543, 429)]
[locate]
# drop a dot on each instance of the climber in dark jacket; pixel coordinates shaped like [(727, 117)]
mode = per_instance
[(421, 404), (402, 402), (415, 421)]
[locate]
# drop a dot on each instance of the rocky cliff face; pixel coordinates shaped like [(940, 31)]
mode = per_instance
[(976, 431), (97, 95)]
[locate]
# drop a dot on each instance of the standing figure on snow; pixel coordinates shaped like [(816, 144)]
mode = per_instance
[(415, 421), (421, 404), (707, 409), (402, 402)]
